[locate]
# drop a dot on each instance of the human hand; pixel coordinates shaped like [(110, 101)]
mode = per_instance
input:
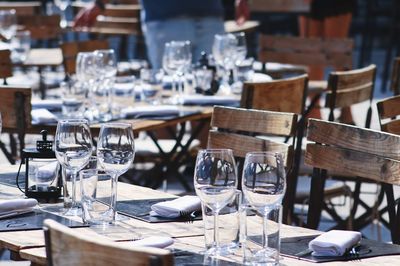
[(86, 17), (242, 11)]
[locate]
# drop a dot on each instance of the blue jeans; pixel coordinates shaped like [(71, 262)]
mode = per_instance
[(199, 31)]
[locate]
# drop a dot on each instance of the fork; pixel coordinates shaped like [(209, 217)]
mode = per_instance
[(189, 216)]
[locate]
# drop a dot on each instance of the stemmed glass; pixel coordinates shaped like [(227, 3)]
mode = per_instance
[(8, 23), (215, 182), (73, 148), (264, 185), (87, 76), (62, 5), (115, 153), (224, 50), (177, 58)]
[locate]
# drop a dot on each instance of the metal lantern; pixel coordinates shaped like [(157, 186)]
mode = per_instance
[(42, 174)]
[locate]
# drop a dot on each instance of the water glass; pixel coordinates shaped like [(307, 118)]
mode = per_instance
[(96, 187), (253, 241), (73, 100), (151, 81), (229, 225), (21, 44)]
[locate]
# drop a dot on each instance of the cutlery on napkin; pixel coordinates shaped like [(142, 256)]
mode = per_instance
[(174, 208), (49, 104), (152, 110), (42, 115), (154, 241), (334, 243), (15, 207), (197, 99)]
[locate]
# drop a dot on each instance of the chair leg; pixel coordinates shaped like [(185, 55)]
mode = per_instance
[(394, 228)]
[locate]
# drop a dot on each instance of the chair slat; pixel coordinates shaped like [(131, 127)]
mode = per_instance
[(270, 123), (355, 78), (353, 163), (9, 109), (348, 97), (241, 144), (354, 138), (389, 107), (391, 127)]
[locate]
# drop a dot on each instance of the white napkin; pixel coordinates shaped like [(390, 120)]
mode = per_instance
[(16, 206), (124, 88), (49, 104), (48, 171), (334, 243), (172, 208), (197, 99), (43, 116), (260, 77), (151, 110), (154, 241)]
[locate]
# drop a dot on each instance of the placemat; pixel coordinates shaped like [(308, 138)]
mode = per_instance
[(10, 178), (186, 258), (140, 209), (369, 248), (34, 221)]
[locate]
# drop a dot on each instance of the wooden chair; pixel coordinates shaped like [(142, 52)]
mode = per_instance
[(71, 49), (42, 27), (21, 7), (5, 65), (15, 109), (359, 152), (395, 80), (285, 95), (388, 111), (244, 130), (65, 246)]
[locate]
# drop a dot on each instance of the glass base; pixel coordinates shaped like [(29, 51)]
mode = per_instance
[(74, 211), (267, 256)]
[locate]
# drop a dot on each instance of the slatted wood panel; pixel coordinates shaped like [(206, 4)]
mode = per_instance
[(395, 80), (350, 87), (389, 110), (22, 8), (66, 247), (286, 95), (279, 6), (5, 64), (71, 49), (306, 51), (41, 27), (256, 121), (11, 111)]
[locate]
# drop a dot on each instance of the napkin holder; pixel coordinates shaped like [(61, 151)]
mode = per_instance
[(42, 174)]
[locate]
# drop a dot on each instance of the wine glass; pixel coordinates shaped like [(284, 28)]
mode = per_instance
[(62, 5), (8, 23), (177, 58), (215, 182), (87, 77), (115, 153), (73, 148), (264, 185)]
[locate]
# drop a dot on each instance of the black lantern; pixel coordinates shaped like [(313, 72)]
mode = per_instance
[(42, 174)]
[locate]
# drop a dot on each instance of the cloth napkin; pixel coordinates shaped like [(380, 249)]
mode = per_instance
[(197, 99), (334, 243), (43, 116), (49, 104), (173, 208), (14, 207), (154, 241), (151, 110)]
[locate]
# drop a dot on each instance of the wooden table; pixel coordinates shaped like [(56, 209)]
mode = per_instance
[(29, 245)]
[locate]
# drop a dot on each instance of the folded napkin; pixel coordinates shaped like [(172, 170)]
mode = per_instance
[(334, 243), (154, 241), (173, 208), (49, 104), (13, 207), (124, 88), (48, 171), (197, 99), (149, 111), (260, 77), (43, 116)]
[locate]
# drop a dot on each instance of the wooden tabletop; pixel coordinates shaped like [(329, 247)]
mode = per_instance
[(188, 236)]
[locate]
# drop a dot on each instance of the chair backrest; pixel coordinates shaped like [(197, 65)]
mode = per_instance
[(389, 110), (335, 53), (41, 27), (71, 49), (64, 246), (281, 6), (5, 64), (15, 108), (284, 95), (242, 131), (395, 80), (21, 7), (354, 151), (350, 87)]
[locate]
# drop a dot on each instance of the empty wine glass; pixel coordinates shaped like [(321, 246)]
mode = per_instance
[(264, 185), (115, 153), (73, 148), (8, 23), (215, 182)]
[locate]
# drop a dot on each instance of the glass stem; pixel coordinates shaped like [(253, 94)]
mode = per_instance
[(73, 177), (265, 230), (216, 230), (114, 182)]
